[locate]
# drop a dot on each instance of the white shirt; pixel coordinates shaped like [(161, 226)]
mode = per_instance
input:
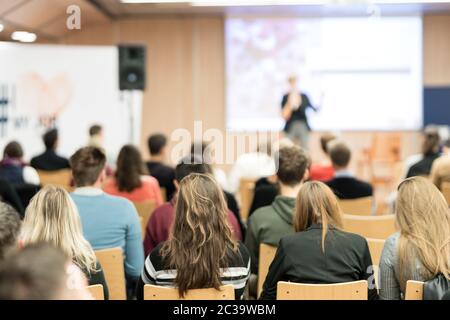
[(31, 176)]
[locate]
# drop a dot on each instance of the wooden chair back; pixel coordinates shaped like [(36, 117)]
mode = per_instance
[(266, 256), (376, 248), (356, 290), (414, 290), (152, 292), (446, 191), (376, 227), (164, 194), (61, 178), (360, 206), (113, 268), (97, 292), (145, 210), (246, 193)]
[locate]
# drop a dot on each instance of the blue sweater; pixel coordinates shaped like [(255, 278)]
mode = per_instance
[(110, 222)]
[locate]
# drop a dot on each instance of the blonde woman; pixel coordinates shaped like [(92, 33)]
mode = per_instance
[(52, 217), (421, 249), (319, 252)]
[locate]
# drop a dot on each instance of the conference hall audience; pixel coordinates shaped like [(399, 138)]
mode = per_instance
[(49, 160), (53, 218), (131, 180), (159, 225), (268, 224), (344, 184), (265, 191), (41, 272), (323, 171), (430, 152), (440, 170), (201, 251), (9, 229), (421, 249), (107, 221), (14, 169), (319, 252), (157, 146), (9, 195)]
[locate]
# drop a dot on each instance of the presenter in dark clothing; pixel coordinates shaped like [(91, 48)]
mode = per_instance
[(294, 106)]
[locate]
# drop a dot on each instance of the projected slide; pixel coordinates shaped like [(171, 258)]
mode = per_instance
[(361, 73)]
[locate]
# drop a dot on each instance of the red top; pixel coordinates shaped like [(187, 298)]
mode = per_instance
[(322, 173), (149, 190)]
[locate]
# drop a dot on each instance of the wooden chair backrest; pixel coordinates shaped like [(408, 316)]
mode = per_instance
[(376, 248), (152, 292), (414, 290), (61, 178), (376, 227), (446, 191), (145, 210), (356, 290), (97, 292), (113, 268), (266, 256), (246, 193), (359, 206), (164, 194)]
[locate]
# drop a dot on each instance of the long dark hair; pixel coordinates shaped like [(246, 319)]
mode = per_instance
[(201, 241), (130, 167)]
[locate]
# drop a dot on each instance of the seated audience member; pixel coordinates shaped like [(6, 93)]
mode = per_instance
[(14, 169), (52, 217), (319, 252), (323, 171), (9, 195), (41, 272), (9, 229), (96, 138), (268, 224), (254, 165), (131, 180), (201, 251), (158, 227), (421, 249), (440, 170), (49, 160), (344, 184), (265, 191), (107, 221), (165, 175), (430, 151)]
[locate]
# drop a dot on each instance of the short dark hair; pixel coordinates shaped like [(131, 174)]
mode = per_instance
[(13, 150), (325, 139), (293, 162), (87, 164), (95, 130), (431, 141), (9, 228), (130, 167), (191, 164), (156, 142), (340, 153), (50, 138), (36, 272)]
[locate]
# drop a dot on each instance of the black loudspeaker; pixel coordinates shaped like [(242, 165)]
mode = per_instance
[(132, 61)]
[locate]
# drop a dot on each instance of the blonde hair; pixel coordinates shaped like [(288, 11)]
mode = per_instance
[(316, 203), (423, 217), (52, 217)]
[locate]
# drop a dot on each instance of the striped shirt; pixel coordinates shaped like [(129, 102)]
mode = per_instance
[(156, 273)]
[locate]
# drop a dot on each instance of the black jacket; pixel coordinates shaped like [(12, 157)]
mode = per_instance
[(165, 176), (49, 161), (350, 188), (265, 194), (300, 259)]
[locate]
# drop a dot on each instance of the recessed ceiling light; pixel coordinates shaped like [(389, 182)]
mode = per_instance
[(23, 36)]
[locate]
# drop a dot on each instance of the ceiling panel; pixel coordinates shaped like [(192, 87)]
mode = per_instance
[(6, 5)]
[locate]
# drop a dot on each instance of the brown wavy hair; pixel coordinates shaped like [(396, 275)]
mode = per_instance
[(201, 241), (130, 167)]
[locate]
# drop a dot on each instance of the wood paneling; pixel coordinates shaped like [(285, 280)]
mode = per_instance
[(436, 44)]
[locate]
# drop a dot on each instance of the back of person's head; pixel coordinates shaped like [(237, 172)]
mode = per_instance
[(87, 165), (203, 150), (95, 130), (156, 143), (293, 165), (53, 217), (423, 217), (431, 141), (130, 167), (325, 139), (13, 150), (9, 228), (191, 164), (340, 153), (201, 240), (36, 272), (50, 139), (317, 204)]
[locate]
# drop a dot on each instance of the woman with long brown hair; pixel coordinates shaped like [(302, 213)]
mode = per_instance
[(421, 249), (201, 252), (319, 252)]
